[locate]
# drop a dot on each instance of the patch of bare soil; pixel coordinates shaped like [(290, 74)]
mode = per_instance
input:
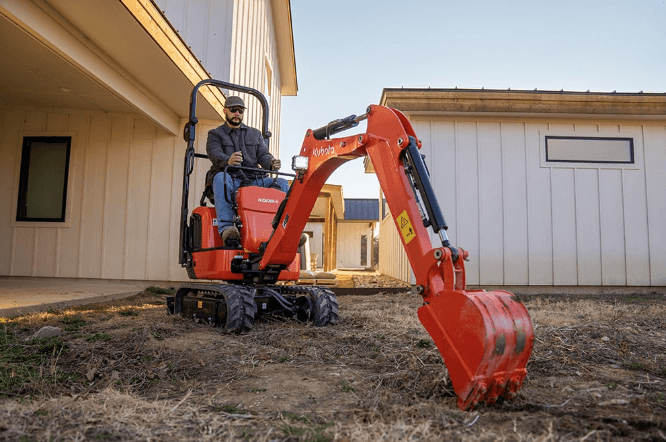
[(127, 371), (377, 280)]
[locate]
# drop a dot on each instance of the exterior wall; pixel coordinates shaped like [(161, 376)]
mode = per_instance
[(254, 60), (528, 223), (317, 241), (123, 201), (235, 40), (125, 172), (392, 257), (206, 26), (349, 244)]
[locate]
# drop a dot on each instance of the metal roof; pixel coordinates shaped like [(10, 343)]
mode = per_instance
[(362, 209)]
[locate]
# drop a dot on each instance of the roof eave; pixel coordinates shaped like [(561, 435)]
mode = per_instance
[(518, 103), (285, 46)]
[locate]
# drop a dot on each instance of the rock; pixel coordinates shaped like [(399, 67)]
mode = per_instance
[(46, 332)]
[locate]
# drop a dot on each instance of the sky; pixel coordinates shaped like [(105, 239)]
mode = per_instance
[(348, 51)]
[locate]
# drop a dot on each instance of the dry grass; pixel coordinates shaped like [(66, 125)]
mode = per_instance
[(126, 371)]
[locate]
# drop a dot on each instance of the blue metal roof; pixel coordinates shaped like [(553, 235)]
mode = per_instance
[(362, 209)]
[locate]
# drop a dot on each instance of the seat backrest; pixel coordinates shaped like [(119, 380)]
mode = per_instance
[(257, 207)]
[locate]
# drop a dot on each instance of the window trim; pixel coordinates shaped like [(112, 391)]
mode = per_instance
[(67, 190), (631, 133), (560, 137)]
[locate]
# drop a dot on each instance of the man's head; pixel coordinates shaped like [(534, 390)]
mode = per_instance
[(234, 108)]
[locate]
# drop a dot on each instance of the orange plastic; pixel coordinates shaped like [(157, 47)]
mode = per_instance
[(256, 208), (210, 261)]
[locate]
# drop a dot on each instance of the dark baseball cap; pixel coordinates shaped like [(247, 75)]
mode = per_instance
[(234, 101)]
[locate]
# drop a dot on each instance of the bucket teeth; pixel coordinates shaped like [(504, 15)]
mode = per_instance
[(485, 339), (492, 389)]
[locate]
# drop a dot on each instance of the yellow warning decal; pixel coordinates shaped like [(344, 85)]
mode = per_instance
[(199, 304), (405, 226)]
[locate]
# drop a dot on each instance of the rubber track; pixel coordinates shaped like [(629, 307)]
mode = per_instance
[(239, 300), (326, 303), (241, 308)]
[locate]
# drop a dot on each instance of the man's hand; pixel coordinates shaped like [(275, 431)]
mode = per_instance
[(235, 159), (275, 164)]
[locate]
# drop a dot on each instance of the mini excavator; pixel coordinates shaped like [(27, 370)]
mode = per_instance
[(485, 338)]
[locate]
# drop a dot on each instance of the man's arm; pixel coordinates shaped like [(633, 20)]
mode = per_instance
[(215, 152)]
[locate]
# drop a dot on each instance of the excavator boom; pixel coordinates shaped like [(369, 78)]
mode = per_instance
[(485, 338)]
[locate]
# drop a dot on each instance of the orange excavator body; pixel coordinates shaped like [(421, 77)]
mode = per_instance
[(485, 338)]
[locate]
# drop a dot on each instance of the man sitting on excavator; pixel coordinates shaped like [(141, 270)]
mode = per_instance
[(236, 144)]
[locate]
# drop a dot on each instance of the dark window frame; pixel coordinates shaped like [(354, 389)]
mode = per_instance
[(24, 177), (632, 154), (364, 250)]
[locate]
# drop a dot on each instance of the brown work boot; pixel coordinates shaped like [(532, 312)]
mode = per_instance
[(230, 235)]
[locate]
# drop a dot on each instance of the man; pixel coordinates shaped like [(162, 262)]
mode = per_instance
[(236, 144)]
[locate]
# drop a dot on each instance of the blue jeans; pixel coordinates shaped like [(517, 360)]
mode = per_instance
[(223, 209)]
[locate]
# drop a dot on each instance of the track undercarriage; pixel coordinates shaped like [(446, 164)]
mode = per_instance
[(236, 307)]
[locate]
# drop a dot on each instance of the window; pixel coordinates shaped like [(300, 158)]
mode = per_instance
[(364, 250), (589, 150), (43, 179)]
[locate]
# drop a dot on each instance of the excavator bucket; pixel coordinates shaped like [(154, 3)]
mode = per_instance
[(485, 339)]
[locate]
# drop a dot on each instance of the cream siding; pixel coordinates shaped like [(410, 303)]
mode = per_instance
[(317, 241), (123, 202), (392, 257), (526, 224), (349, 244), (126, 163)]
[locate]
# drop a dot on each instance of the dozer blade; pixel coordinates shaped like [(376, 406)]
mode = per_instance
[(485, 339)]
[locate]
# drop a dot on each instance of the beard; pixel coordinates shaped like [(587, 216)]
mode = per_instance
[(234, 121)]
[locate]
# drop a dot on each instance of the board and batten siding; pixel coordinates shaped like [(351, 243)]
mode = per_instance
[(349, 244), (392, 257), (526, 222), (123, 198), (234, 39), (316, 242)]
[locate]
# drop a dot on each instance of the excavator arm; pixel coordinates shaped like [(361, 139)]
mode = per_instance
[(485, 338)]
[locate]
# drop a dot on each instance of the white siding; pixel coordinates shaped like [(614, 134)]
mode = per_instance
[(235, 40), (392, 257), (528, 223), (349, 244), (317, 241), (206, 26), (253, 48), (655, 172), (123, 202)]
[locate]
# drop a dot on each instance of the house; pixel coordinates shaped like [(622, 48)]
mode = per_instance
[(543, 188), (93, 99), (342, 230), (322, 227)]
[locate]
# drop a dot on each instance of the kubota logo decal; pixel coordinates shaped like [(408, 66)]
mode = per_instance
[(267, 200), (323, 151)]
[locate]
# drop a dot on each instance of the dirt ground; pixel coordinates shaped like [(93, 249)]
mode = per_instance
[(126, 371)]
